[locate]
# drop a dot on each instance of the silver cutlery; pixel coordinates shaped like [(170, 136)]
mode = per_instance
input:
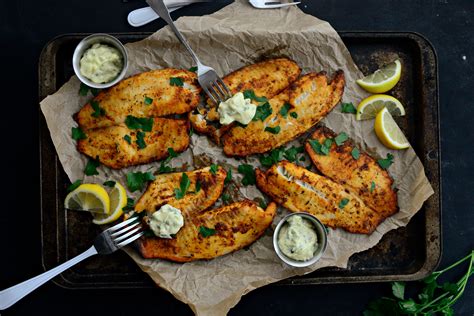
[(263, 4), (208, 79), (105, 243)]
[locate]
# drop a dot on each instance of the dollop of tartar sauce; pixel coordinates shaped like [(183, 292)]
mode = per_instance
[(101, 63), (167, 221), (236, 109), (297, 238)]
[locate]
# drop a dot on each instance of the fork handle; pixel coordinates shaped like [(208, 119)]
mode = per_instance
[(13, 294), (162, 10)]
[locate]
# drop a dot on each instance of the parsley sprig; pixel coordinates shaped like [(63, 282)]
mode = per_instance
[(183, 187), (137, 180)]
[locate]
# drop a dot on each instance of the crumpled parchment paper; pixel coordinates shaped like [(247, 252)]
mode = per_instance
[(233, 37)]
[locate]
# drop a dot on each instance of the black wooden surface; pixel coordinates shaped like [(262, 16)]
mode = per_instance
[(25, 26)]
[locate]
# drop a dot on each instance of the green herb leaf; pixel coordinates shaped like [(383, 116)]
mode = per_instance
[(372, 186), (148, 100), (321, 149), (164, 168), (249, 94), (348, 108), (383, 307), (355, 153), (343, 203), (273, 130), (225, 197), (172, 153), (284, 110), (262, 203), (198, 186), (385, 163), (228, 177), (193, 69), (83, 89), (206, 232), (77, 133), (109, 183), (294, 115), (130, 205), (143, 123), (128, 139), (263, 111), (213, 169), (74, 186), (398, 290), (408, 306), (98, 111), (176, 81), (91, 167), (141, 140), (452, 288), (275, 156), (249, 174), (183, 186), (136, 180), (302, 158), (341, 138), (292, 152), (191, 131)]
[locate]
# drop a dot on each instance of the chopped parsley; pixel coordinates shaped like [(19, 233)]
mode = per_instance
[(91, 167), (109, 183), (143, 123), (191, 131), (274, 157), (387, 162), (343, 203), (84, 89), (250, 94), (141, 140), (77, 133), (249, 174), (213, 168), (262, 203), (348, 108), (198, 186), (74, 185), (294, 115), (98, 111), (228, 177), (137, 180), (355, 153), (128, 139), (148, 100), (263, 111), (341, 138), (206, 232), (372, 186), (163, 165), (183, 187), (193, 69), (284, 110), (176, 81), (321, 149), (226, 197), (292, 152), (129, 206), (274, 130)]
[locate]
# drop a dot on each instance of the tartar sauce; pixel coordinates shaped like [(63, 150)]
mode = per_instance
[(167, 221), (297, 238), (101, 63), (236, 109)]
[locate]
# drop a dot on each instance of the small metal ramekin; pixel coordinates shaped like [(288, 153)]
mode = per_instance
[(320, 232), (85, 44)]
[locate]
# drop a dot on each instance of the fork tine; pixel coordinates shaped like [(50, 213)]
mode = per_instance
[(129, 240), (218, 91), (124, 236), (116, 227), (209, 94), (221, 82), (221, 91), (124, 230)]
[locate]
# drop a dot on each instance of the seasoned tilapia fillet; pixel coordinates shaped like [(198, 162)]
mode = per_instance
[(362, 177), (148, 94), (300, 190), (306, 101), (265, 79), (110, 147), (162, 191), (236, 226)]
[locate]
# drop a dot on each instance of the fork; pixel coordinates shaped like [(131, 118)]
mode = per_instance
[(262, 4), (208, 79), (105, 243)]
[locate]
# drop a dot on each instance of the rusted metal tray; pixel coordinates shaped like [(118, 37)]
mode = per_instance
[(408, 253)]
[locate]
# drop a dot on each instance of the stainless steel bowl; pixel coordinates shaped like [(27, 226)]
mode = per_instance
[(321, 232), (85, 44)]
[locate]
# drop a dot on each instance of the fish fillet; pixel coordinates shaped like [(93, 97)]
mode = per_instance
[(110, 147), (148, 94), (310, 98), (300, 190), (236, 226), (363, 176), (161, 191), (265, 79)]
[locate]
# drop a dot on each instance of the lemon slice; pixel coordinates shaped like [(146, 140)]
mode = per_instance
[(382, 79), (88, 197), (118, 200), (369, 107), (388, 131)]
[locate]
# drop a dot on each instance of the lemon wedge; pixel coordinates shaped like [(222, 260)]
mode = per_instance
[(382, 79), (118, 200), (370, 106), (88, 197), (388, 131)]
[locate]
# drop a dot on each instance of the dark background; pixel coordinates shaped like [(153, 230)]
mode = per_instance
[(26, 26)]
